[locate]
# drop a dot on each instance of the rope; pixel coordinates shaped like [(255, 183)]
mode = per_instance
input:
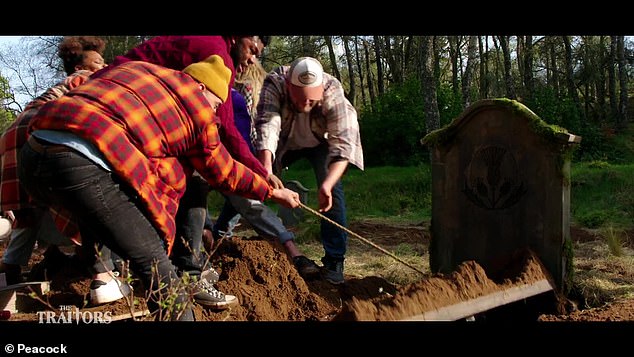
[(364, 240)]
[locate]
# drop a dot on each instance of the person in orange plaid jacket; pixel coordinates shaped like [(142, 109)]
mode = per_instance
[(116, 152)]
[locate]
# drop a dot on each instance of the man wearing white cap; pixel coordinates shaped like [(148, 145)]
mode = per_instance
[(303, 113)]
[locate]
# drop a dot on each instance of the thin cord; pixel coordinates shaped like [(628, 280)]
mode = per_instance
[(359, 237)]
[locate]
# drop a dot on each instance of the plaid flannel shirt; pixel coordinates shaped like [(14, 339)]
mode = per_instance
[(154, 127), (333, 120)]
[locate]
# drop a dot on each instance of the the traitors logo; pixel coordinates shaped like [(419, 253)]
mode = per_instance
[(69, 314)]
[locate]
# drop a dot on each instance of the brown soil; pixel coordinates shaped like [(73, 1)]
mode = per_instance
[(268, 287)]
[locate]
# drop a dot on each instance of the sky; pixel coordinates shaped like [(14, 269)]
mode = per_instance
[(4, 42)]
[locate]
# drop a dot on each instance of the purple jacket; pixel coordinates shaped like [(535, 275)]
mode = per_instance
[(241, 117)]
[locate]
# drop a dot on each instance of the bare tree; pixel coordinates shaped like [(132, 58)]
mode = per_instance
[(394, 65), (432, 116), (454, 54), (379, 65), (552, 44), (570, 83), (529, 86), (484, 69), (366, 49), (333, 57), (356, 51), (614, 109), (600, 79), (353, 93), (468, 73), (620, 55), (508, 78), (31, 67)]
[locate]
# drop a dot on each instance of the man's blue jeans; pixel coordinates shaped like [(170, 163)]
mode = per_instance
[(334, 239), (109, 212)]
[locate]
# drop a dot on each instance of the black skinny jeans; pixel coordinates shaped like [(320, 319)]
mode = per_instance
[(188, 254), (109, 213)]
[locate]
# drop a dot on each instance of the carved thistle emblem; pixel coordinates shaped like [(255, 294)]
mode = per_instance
[(492, 179)]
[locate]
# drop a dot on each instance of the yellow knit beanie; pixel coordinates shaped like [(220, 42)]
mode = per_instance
[(213, 73)]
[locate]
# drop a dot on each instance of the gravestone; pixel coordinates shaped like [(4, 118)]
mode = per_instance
[(292, 216), (501, 183)]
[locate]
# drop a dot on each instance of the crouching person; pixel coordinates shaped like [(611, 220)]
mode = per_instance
[(116, 153)]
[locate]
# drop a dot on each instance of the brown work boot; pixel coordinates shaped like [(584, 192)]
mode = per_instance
[(12, 272)]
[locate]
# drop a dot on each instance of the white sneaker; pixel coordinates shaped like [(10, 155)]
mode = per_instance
[(5, 228), (211, 275), (207, 295), (102, 293)]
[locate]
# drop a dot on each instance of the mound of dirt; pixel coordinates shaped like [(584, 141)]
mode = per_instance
[(468, 281), (267, 285)]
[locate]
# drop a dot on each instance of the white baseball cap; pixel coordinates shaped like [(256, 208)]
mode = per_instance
[(306, 79)]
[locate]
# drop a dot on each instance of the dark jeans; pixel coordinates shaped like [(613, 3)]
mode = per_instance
[(334, 240), (188, 253), (109, 213), (227, 215), (263, 219)]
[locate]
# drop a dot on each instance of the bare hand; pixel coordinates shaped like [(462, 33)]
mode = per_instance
[(325, 199), (275, 181), (286, 197)]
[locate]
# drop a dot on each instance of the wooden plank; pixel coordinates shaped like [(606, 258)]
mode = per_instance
[(39, 287), (129, 316), (8, 294), (474, 306), (8, 301)]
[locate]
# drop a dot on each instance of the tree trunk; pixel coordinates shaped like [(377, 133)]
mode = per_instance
[(554, 66), (468, 73), (528, 68), (353, 92), (407, 68), (432, 116), (498, 71), (600, 79), (306, 46), (333, 57), (395, 67), (379, 65), (454, 44), (437, 58), (508, 79), (519, 55), (368, 72), (614, 108), (587, 65), (570, 83), (356, 52), (484, 83), (620, 54)]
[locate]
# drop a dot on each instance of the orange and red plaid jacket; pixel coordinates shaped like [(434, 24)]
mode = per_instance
[(154, 127), (12, 194)]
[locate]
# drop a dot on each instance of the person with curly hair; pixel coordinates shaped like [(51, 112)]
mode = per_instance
[(82, 53)]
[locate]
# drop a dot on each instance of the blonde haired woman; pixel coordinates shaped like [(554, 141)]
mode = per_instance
[(249, 84)]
